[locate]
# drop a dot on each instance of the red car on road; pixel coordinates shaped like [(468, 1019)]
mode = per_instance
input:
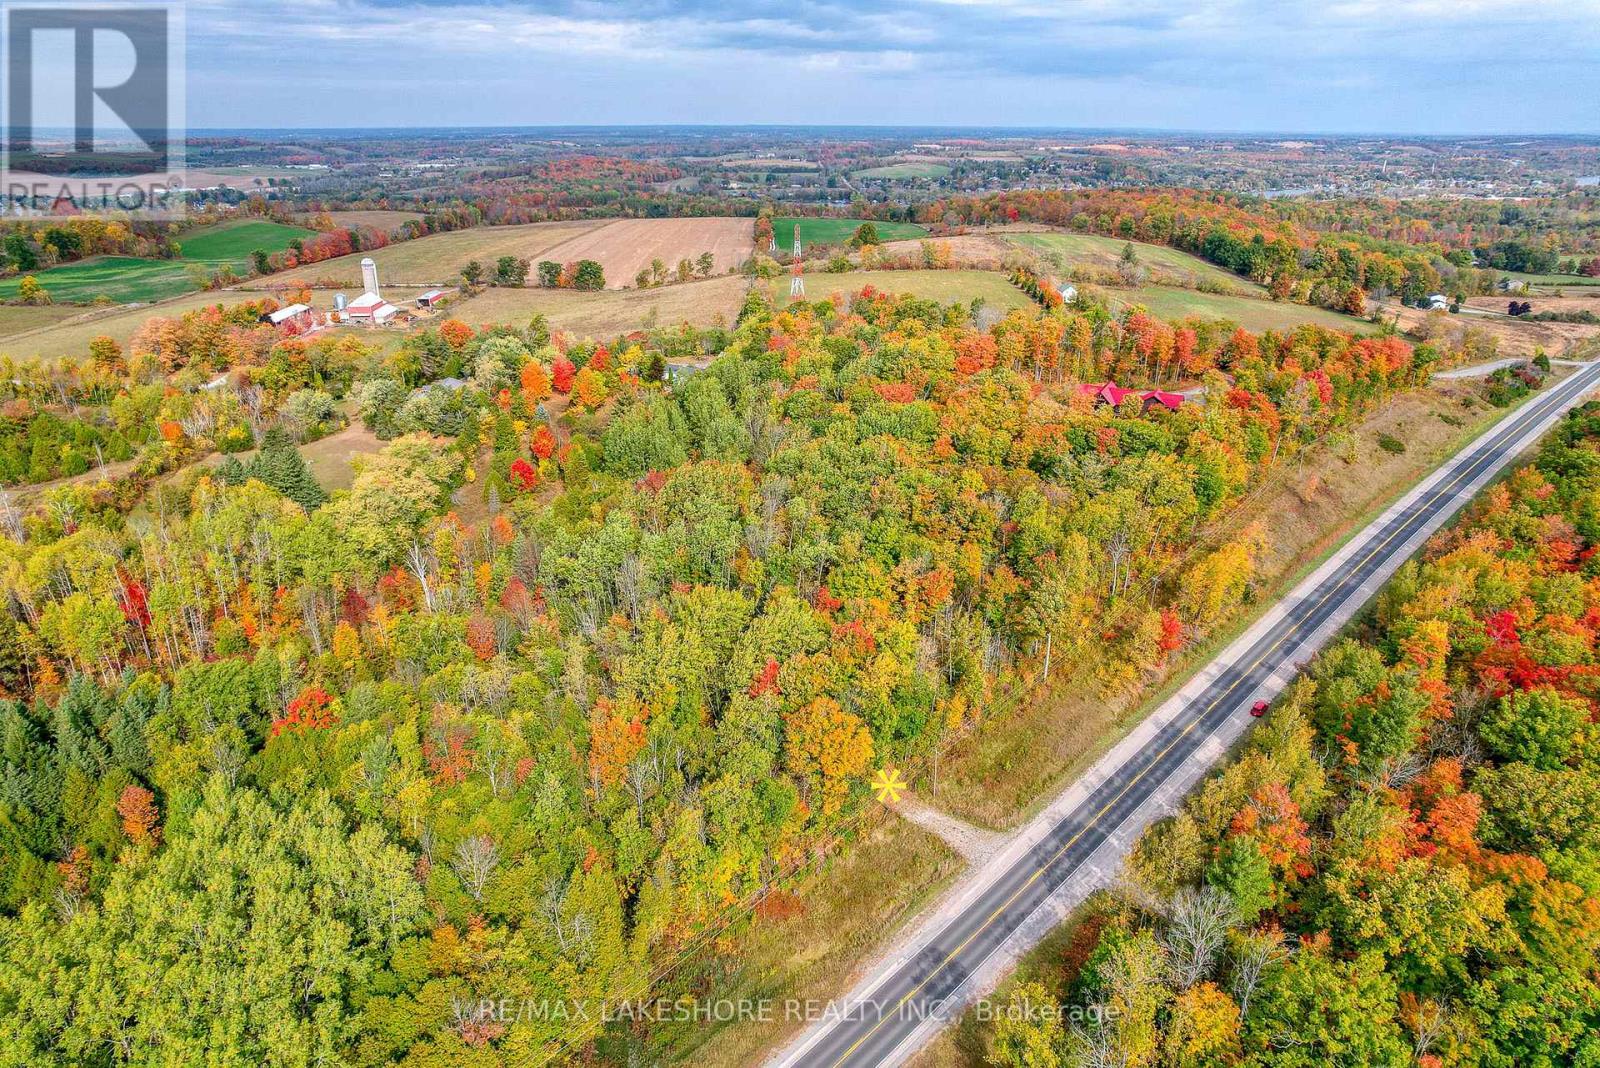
[(1258, 709)]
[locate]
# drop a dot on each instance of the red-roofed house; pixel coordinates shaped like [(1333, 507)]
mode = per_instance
[(1113, 394), (1172, 401), (1109, 393)]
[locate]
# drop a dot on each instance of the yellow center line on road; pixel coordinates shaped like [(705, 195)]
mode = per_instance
[(1038, 873)]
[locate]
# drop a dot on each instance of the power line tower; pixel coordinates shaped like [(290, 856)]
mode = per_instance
[(797, 280)]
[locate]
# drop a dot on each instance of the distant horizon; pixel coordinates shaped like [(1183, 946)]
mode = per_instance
[(1001, 128)]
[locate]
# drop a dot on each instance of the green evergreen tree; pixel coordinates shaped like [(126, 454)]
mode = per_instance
[(505, 447), (655, 368), (280, 465), (230, 472), (1244, 873), (13, 663), (470, 438), (537, 335), (126, 730)]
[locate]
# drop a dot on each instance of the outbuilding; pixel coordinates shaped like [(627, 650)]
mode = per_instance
[(294, 315), (441, 385)]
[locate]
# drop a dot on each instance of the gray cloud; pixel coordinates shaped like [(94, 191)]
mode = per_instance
[(1216, 64)]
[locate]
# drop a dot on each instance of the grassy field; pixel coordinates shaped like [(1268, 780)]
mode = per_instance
[(904, 170), (1090, 250), (330, 460), (129, 279), (621, 246), (837, 231), (233, 242), (378, 219), (771, 164), (252, 170), (608, 313), (22, 318), (124, 279), (1551, 281), (946, 287), (72, 338), (55, 331), (438, 258), (1170, 302), (1513, 337)]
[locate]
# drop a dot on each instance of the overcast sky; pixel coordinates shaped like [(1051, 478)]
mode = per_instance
[(1412, 66)]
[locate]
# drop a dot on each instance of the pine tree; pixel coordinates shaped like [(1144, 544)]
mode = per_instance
[(126, 732), (505, 448), (230, 472), (13, 664), (470, 438), (280, 465)]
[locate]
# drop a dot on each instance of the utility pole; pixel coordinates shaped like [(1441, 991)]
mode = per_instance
[(797, 281)]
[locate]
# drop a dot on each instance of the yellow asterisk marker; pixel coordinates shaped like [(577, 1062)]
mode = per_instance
[(888, 785)]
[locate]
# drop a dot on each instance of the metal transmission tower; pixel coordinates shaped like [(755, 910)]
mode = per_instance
[(797, 281)]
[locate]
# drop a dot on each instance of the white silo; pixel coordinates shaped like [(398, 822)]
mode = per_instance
[(369, 275)]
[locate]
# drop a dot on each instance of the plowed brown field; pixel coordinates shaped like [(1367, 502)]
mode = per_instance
[(624, 246)]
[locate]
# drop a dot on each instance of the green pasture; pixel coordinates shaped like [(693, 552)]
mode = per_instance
[(837, 231)]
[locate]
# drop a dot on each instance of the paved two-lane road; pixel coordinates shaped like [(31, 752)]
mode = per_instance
[(1076, 844)]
